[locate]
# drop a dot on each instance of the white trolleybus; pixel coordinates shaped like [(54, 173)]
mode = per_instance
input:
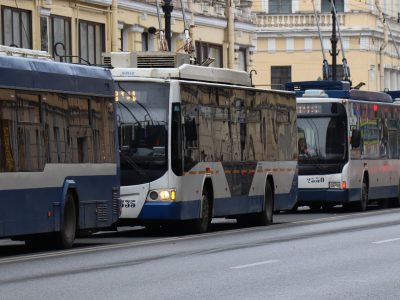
[(349, 145), (58, 160), (201, 142)]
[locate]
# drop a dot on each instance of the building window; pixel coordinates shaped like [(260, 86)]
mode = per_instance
[(289, 44), (44, 34), (326, 6), (271, 44), (16, 27), (242, 59), (206, 50), (60, 38), (280, 6), (91, 41), (279, 76), (145, 41), (308, 44)]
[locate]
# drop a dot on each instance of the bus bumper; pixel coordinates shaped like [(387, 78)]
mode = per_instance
[(174, 211), (314, 196)]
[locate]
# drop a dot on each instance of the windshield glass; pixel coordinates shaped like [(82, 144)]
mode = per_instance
[(322, 139), (142, 109)]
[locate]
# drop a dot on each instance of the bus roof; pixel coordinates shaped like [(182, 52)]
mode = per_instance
[(187, 72), (335, 89), (45, 75)]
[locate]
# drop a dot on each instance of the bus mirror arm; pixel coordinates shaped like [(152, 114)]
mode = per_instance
[(355, 138)]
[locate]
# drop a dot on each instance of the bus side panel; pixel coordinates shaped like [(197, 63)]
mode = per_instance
[(38, 210), (383, 183), (95, 205), (28, 211)]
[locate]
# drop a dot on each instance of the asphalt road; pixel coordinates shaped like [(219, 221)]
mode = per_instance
[(303, 256)]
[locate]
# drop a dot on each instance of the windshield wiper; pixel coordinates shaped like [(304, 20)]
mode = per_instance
[(132, 163)]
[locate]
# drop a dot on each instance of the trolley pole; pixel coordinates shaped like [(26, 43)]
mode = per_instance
[(334, 41), (167, 8)]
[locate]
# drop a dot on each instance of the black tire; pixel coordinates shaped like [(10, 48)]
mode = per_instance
[(66, 237), (266, 217), (202, 225), (363, 203)]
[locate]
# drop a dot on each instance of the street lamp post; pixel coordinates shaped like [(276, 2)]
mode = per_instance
[(167, 8), (334, 41)]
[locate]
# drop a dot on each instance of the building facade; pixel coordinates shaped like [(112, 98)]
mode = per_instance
[(289, 47), (72, 30)]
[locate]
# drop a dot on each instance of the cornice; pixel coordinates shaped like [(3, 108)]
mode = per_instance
[(247, 27), (210, 21), (314, 33), (99, 2)]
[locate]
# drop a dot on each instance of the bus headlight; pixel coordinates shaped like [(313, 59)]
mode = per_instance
[(162, 195)]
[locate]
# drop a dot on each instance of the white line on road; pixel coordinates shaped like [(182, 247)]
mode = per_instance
[(386, 241), (173, 239), (255, 264)]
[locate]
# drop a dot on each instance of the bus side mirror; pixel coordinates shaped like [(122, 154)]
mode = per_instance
[(355, 138)]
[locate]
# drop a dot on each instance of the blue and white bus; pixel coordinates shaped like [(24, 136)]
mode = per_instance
[(349, 145), (58, 161), (200, 142)]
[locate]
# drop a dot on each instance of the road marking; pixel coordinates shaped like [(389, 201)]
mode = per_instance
[(386, 241), (172, 239), (256, 264), (119, 246)]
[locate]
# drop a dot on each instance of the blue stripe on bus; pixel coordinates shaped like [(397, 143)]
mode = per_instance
[(159, 210), (237, 205), (229, 206), (344, 196), (324, 195), (250, 204), (383, 192), (25, 211), (186, 210)]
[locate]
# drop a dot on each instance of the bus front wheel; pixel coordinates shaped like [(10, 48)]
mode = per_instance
[(201, 225)]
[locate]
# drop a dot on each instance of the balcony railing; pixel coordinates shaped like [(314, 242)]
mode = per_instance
[(296, 21)]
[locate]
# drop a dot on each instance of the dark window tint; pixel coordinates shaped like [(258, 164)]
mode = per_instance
[(40, 128), (279, 76), (280, 6), (176, 139), (326, 6)]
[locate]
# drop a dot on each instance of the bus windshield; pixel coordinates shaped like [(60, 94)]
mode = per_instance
[(322, 139), (142, 116)]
